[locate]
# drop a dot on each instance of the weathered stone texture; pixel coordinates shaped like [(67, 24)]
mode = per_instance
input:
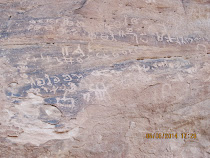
[(92, 78)]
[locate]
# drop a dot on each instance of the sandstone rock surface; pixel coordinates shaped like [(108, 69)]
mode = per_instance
[(105, 79)]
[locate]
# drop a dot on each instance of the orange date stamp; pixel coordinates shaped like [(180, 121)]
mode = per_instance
[(171, 135)]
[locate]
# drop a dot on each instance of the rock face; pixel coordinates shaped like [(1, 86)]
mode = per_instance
[(105, 79)]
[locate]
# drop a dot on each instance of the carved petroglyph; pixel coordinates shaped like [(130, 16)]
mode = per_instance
[(67, 78), (75, 55), (79, 51), (64, 26), (69, 102), (101, 73), (72, 88), (86, 97), (100, 91), (55, 79), (65, 50), (40, 82), (74, 58), (23, 69), (177, 40)]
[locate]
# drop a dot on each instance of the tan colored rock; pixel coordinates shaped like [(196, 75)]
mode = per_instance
[(104, 79)]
